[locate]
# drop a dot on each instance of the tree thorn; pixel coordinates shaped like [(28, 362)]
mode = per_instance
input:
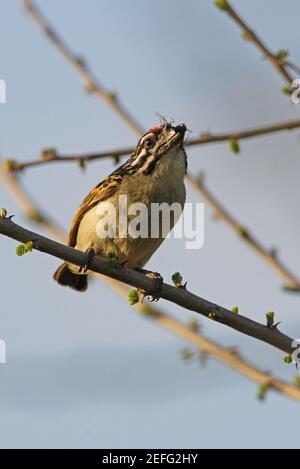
[(276, 325)]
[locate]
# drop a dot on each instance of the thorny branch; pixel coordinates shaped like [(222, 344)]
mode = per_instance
[(179, 296)]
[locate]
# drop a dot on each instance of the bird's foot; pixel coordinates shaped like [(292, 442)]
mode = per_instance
[(153, 294), (89, 254)]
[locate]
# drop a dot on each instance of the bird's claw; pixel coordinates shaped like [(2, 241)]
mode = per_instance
[(89, 254), (154, 293)]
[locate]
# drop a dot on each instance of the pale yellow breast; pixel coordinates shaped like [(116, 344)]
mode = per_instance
[(165, 184)]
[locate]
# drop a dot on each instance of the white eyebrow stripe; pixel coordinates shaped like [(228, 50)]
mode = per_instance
[(149, 135)]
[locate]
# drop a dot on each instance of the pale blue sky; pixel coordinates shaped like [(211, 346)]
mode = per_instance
[(86, 370)]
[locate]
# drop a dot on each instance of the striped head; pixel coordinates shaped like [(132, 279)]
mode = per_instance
[(153, 146)]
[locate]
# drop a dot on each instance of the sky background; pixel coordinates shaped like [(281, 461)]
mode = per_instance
[(86, 370)]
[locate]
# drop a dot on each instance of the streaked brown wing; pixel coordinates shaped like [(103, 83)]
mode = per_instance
[(101, 192)]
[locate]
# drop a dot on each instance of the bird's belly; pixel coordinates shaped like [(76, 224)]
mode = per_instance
[(134, 249)]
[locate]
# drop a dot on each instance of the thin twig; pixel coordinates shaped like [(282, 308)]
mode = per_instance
[(52, 156), (179, 296), (269, 256), (278, 63), (91, 84)]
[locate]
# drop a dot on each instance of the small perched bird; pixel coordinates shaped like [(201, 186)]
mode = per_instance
[(154, 174)]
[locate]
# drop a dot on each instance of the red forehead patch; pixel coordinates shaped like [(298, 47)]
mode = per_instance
[(155, 129)]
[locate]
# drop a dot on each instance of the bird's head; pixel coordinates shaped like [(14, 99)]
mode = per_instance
[(155, 144)]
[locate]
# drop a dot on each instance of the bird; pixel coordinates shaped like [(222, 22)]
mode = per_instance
[(153, 174)]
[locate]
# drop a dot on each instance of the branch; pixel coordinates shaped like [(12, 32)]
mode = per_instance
[(90, 82), (221, 213), (179, 296), (51, 156), (228, 357), (248, 34)]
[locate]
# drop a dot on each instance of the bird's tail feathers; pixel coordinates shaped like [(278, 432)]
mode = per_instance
[(64, 276)]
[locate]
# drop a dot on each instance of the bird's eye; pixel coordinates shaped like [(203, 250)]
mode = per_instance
[(149, 142)]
